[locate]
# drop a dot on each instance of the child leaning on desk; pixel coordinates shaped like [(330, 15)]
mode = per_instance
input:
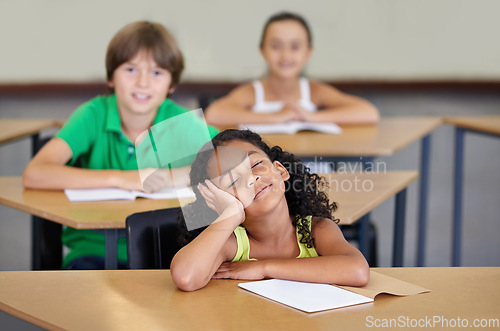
[(144, 65), (271, 219), (284, 95)]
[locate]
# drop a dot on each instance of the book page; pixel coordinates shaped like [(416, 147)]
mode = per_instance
[(308, 297), (98, 194), (168, 193), (292, 127), (102, 194)]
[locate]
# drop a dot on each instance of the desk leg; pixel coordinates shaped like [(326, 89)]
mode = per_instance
[(457, 196), (399, 229), (111, 258), (423, 196), (364, 235)]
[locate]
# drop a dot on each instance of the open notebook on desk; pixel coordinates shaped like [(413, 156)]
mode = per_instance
[(292, 127), (314, 297), (119, 194)]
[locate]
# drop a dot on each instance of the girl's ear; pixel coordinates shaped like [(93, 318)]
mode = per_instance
[(110, 84), (282, 170)]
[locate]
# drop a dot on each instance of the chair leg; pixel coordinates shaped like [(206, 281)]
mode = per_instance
[(47, 247)]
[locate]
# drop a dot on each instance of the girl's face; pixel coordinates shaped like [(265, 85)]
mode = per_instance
[(286, 48), (140, 84), (246, 172)]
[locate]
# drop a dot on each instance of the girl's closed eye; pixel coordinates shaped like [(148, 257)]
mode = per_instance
[(256, 164)]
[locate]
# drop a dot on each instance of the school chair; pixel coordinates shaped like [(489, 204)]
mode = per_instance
[(351, 234), (204, 100), (152, 238)]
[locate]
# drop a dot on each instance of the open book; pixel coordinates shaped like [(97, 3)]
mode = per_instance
[(292, 127), (313, 297), (119, 194)]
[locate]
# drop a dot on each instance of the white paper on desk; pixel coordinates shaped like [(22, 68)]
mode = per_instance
[(292, 127), (308, 297), (101, 194)]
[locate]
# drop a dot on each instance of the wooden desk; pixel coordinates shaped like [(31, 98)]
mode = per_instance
[(18, 128), (14, 129), (383, 139), (148, 299), (485, 125), (356, 193), (389, 136)]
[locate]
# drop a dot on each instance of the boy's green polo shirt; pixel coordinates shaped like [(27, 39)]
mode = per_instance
[(95, 137)]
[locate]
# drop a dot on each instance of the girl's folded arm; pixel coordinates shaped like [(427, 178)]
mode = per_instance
[(195, 264), (338, 262), (342, 108)]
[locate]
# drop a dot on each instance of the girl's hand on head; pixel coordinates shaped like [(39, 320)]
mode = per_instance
[(241, 270), (220, 201)]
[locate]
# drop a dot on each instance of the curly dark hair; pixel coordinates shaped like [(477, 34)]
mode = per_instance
[(304, 190)]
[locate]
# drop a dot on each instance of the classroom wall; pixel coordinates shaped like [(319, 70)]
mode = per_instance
[(65, 41)]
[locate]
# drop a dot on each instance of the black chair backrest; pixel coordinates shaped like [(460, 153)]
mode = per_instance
[(152, 238)]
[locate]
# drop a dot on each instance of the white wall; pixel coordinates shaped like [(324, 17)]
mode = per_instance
[(65, 40)]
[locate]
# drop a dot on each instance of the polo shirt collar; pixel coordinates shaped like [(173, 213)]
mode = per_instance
[(113, 122), (113, 117)]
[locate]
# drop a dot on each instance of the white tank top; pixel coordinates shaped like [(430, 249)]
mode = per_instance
[(262, 106)]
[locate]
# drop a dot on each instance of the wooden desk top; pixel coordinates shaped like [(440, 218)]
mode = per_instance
[(55, 206), (346, 189), (12, 129), (488, 124), (148, 299), (386, 138)]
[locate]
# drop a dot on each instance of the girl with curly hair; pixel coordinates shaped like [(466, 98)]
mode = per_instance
[(269, 214)]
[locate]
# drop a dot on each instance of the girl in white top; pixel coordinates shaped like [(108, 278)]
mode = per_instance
[(284, 95)]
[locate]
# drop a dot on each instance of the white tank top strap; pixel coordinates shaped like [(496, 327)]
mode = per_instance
[(305, 95), (259, 92), (305, 90), (262, 106)]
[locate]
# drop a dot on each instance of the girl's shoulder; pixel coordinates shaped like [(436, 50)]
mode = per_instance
[(319, 223), (321, 87), (323, 93), (242, 94)]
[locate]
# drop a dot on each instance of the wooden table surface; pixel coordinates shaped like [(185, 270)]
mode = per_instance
[(356, 193), (149, 300), (12, 129), (488, 123), (386, 138)]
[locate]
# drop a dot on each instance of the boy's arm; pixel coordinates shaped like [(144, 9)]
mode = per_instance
[(235, 108), (340, 108), (47, 170), (339, 262)]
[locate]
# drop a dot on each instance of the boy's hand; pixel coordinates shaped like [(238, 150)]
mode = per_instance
[(220, 201), (156, 179), (240, 270)]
